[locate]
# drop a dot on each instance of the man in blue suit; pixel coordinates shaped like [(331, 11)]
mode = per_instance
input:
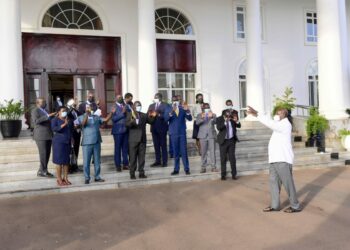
[(159, 130), (120, 134), (177, 130)]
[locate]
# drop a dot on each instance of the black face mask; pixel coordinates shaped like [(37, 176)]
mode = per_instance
[(130, 102), (91, 99), (120, 100)]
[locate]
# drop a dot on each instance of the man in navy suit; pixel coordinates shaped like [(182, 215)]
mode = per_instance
[(177, 117), (159, 130), (120, 134)]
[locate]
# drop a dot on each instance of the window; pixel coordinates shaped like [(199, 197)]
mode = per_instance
[(312, 78), (311, 26), (240, 23), (183, 84), (33, 90), (110, 91), (242, 82), (170, 21), (72, 15), (85, 85)]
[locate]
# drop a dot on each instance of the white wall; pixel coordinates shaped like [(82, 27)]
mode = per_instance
[(285, 54)]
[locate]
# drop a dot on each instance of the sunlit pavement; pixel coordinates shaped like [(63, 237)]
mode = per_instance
[(190, 215)]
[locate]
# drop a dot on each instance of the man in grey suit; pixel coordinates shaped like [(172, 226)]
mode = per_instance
[(136, 122), (42, 135), (207, 136)]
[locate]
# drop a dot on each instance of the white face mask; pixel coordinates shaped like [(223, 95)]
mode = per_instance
[(64, 114), (58, 99), (176, 103), (206, 111), (156, 100), (277, 118), (138, 108), (229, 107)]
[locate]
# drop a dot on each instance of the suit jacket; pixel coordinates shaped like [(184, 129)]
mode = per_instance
[(160, 125), (91, 131), (119, 119), (56, 105), (82, 107), (206, 127), (42, 125), (137, 132), (221, 126), (61, 135), (177, 124)]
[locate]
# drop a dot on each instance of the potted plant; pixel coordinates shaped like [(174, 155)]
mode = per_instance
[(345, 138), (10, 122), (316, 125), (286, 101)]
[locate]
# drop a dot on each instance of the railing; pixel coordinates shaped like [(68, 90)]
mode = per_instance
[(302, 110)]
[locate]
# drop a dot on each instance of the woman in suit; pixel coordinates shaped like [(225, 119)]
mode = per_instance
[(61, 145)]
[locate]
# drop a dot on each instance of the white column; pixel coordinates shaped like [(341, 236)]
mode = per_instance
[(332, 59), (11, 69), (147, 54), (255, 78)]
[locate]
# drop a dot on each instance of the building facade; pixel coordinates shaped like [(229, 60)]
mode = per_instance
[(244, 50)]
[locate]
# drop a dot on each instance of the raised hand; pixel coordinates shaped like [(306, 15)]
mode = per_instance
[(251, 111)]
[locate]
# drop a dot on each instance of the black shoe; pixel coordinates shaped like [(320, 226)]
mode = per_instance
[(99, 180), (171, 157), (126, 168), (132, 177), (118, 169), (188, 172), (223, 178), (165, 165), (142, 176), (174, 173), (47, 175), (156, 164), (234, 178), (87, 181)]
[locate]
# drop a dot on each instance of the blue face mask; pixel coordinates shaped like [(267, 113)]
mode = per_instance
[(64, 114)]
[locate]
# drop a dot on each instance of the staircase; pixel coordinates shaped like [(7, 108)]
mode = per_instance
[(19, 164)]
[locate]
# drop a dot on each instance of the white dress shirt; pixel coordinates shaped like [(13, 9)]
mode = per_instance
[(280, 145)]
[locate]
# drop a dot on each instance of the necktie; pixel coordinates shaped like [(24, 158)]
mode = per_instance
[(227, 130), (206, 117), (157, 106), (177, 112)]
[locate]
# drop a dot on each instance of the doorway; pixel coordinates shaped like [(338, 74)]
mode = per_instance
[(61, 86)]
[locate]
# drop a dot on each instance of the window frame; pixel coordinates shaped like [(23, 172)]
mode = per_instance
[(305, 24)]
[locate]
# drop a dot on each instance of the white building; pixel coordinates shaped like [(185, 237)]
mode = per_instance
[(244, 50)]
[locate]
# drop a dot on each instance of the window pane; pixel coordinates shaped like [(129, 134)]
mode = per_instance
[(189, 80), (34, 84), (190, 97), (240, 9), (178, 81), (109, 84), (240, 22), (177, 92), (241, 35), (110, 96), (165, 95), (162, 81)]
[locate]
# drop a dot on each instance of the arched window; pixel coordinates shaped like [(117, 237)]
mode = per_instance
[(242, 82), (312, 79), (72, 15), (170, 21)]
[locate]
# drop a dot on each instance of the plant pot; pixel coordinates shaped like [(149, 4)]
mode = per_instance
[(321, 142), (310, 142), (10, 128), (345, 141)]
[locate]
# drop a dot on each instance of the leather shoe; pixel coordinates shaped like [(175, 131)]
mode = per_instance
[(188, 172), (87, 181), (118, 169), (165, 165), (142, 176), (223, 178), (99, 180), (133, 177), (125, 167), (47, 175), (156, 164), (234, 178), (174, 173)]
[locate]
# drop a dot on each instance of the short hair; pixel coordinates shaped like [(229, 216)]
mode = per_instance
[(229, 100), (159, 95), (206, 104), (39, 99), (128, 95), (137, 102)]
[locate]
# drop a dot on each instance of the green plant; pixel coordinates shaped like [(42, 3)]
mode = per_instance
[(11, 110), (286, 101), (316, 123), (343, 132)]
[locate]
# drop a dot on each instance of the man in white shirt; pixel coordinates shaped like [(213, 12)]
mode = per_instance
[(280, 158)]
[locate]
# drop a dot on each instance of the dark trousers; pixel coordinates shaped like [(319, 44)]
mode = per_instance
[(228, 150), (121, 148), (76, 138), (160, 147), (44, 148), (137, 153), (171, 151), (180, 150)]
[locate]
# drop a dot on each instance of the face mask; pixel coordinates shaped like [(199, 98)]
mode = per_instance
[(92, 112), (120, 101), (176, 103), (43, 106), (206, 111), (64, 114), (276, 118), (229, 107), (138, 108), (156, 100)]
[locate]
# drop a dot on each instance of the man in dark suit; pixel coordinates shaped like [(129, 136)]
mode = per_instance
[(90, 102), (159, 130), (136, 123), (227, 125), (73, 115), (57, 103), (42, 135), (120, 134), (177, 117)]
